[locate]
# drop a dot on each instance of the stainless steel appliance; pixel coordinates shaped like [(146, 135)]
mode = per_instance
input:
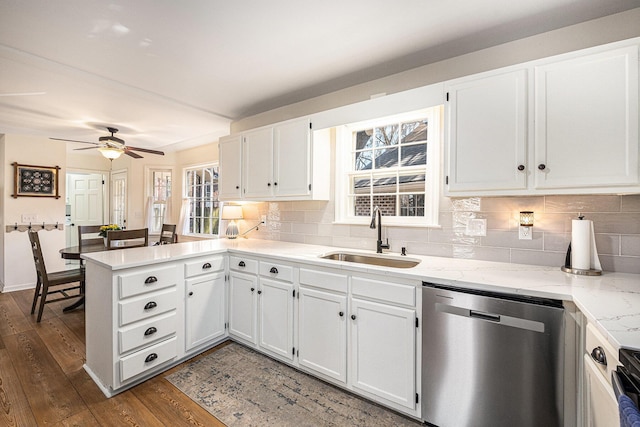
[(626, 381), (491, 359)]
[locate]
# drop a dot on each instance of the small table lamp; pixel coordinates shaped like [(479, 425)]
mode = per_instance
[(232, 212)]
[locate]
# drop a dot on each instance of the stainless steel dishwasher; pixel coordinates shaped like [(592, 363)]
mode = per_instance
[(491, 359)]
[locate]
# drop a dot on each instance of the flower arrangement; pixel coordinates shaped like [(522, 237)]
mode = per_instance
[(106, 228)]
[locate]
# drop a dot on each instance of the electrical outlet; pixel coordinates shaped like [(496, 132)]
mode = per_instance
[(476, 227), (29, 218)]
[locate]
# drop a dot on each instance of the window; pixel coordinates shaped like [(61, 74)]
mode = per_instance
[(160, 196), (392, 163), (201, 191)]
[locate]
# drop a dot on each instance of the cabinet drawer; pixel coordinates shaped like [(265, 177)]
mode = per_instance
[(323, 279), (203, 265), (243, 264), (147, 358), (147, 332), (384, 291), (593, 340), (276, 271), (149, 279), (145, 306)]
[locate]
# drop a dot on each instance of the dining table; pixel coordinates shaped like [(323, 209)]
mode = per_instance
[(75, 253)]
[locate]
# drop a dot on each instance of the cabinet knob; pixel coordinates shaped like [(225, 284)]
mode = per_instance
[(268, 184), (259, 292), (237, 187), (341, 314), (520, 168), (152, 330), (191, 293), (151, 358), (150, 305), (150, 279), (273, 270), (598, 355), (353, 317), (206, 266), (542, 166), (241, 264), (253, 289), (275, 183)]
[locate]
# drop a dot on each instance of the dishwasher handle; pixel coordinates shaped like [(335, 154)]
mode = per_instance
[(484, 316)]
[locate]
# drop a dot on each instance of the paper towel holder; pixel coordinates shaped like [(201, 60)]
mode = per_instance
[(567, 263)]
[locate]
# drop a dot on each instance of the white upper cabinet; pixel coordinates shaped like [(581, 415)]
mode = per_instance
[(279, 162), (230, 181), (561, 125), (487, 131), (258, 163), (586, 115)]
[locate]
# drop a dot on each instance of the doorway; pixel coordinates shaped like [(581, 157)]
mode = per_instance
[(86, 194)]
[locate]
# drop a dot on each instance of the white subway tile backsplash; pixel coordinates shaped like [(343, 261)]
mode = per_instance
[(630, 245)]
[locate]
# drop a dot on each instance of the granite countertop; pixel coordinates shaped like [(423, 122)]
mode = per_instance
[(610, 301)]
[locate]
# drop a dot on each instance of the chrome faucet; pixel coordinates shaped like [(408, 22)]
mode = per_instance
[(379, 245)]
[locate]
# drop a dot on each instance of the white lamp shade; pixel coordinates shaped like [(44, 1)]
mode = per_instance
[(111, 153), (232, 212)]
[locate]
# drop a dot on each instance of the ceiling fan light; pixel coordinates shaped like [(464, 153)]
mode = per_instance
[(111, 153)]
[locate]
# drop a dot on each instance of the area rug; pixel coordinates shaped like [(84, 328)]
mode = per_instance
[(241, 387)]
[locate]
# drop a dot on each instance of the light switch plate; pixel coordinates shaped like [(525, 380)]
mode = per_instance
[(476, 227), (29, 218)]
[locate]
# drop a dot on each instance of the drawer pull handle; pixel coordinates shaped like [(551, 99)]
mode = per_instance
[(152, 330), (273, 270), (598, 355), (206, 265), (241, 264), (150, 305), (150, 279), (151, 358)]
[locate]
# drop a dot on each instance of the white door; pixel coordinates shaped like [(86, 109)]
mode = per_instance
[(85, 195), (586, 121), (383, 351), (601, 404), (205, 309), (322, 333), (276, 317), (487, 133), (258, 163), (118, 206), (291, 146), (242, 306)]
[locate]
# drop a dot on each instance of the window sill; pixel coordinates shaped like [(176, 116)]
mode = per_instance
[(387, 223)]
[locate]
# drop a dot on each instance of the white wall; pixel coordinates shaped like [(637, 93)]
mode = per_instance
[(18, 271)]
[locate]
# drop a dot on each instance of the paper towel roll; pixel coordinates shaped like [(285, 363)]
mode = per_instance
[(581, 244), (584, 254)]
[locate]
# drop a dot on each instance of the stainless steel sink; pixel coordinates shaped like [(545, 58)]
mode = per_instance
[(381, 260)]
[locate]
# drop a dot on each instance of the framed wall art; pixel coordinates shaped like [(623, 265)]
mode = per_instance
[(35, 181)]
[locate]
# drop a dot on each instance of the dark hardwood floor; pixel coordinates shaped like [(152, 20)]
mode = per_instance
[(42, 381)]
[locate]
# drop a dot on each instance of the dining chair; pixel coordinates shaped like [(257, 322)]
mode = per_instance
[(58, 282), (167, 235), (129, 238), (88, 235)]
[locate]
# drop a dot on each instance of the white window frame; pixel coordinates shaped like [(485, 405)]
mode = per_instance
[(185, 196), (344, 168), (150, 189)]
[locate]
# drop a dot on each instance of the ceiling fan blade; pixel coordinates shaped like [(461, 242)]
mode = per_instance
[(73, 140), (146, 150), (86, 148), (132, 154)]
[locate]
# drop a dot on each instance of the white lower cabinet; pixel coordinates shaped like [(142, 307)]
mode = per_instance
[(205, 309), (243, 300), (276, 317), (383, 351), (322, 333)]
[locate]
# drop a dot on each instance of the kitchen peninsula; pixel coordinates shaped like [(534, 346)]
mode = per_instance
[(150, 308)]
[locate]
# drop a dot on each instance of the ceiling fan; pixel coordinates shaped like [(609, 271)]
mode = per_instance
[(112, 147)]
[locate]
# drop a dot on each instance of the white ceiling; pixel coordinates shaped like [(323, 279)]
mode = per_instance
[(173, 74)]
